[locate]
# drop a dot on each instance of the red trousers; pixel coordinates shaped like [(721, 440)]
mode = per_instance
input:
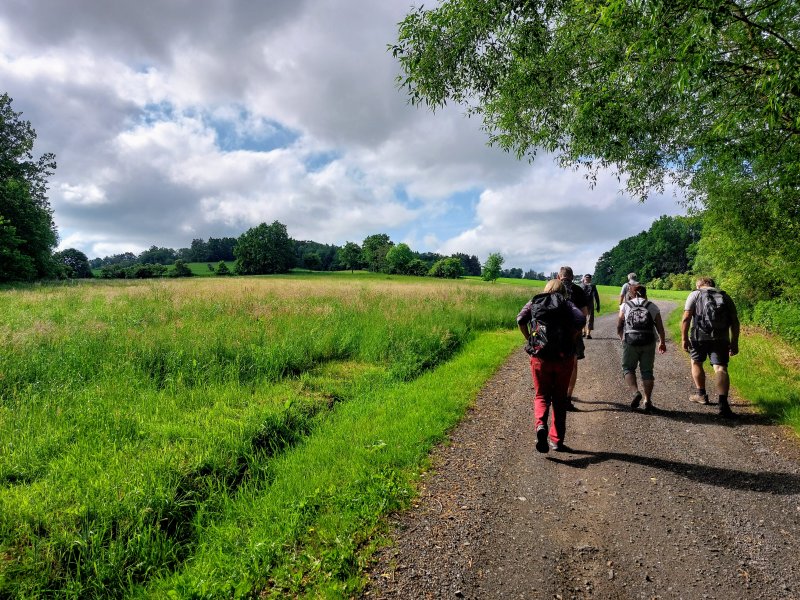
[(551, 380)]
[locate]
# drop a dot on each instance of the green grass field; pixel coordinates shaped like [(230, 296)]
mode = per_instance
[(218, 437), (237, 437)]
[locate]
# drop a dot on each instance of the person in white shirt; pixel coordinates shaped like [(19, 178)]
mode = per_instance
[(638, 325)]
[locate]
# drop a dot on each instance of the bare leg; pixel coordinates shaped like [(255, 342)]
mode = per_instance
[(630, 381), (573, 378), (647, 384), (698, 375), (722, 379)]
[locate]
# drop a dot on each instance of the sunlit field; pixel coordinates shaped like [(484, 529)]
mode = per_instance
[(219, 437)]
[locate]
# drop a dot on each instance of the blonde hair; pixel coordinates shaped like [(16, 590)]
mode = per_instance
[(554, 286), (705, 282)]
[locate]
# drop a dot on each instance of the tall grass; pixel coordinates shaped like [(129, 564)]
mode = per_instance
[(152, 429)]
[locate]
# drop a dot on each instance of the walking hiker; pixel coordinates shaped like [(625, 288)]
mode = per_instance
[(638, 323), (623, 293), (592, 300), (574, 293), (714, 335), (550, 324)]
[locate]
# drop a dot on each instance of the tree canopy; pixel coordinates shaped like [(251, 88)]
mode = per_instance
[(264, 249), (29, 234), (703, 93), (491, 269), (669, 246)]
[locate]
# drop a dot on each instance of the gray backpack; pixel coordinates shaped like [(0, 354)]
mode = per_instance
[(711, 320), (639, 324)]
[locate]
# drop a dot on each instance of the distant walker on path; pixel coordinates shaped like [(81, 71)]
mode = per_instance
[(593, 300), (714, 335)]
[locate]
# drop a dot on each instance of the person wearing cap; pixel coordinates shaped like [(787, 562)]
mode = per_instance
[(623, 294), (639, 346)]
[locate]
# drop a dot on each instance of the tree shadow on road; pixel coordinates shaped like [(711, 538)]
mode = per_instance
[(764, 481)]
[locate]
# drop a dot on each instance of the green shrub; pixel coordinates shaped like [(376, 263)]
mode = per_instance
[(779, 317)]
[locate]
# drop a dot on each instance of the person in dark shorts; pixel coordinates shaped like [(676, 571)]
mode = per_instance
[(714, 335)]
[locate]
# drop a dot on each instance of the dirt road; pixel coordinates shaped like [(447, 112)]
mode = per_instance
[(674, 504)]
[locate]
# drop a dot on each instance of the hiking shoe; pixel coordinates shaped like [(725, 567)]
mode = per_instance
[(559, 447), (637, 397), (588, 336), (699, 398), (648, 406), (541, 440)]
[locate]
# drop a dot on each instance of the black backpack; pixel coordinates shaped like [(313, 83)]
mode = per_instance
[(639, 324), (551, 332), (711, 318)]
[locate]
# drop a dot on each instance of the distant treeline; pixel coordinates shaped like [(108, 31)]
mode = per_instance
[(269, 249), (668, 247)]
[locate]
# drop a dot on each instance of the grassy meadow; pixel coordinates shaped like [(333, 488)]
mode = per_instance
[(239, 437), (226, 437)]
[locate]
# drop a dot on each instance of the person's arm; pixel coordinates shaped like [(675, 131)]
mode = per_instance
[(524, 319), (662, 344), (596, 297), (687, 318), (578, 318), (734, 329), (621, 324)]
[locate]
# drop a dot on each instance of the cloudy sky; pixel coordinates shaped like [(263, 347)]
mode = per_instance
[(181, 119)]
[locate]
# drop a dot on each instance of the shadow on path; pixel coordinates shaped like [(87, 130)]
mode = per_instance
[(772, 483), (708, 417)]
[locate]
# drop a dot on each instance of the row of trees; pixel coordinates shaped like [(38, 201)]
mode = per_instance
[(668, 247), (28, 236), (211, 251)]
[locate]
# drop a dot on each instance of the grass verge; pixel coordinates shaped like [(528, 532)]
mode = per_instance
[(310, 531)]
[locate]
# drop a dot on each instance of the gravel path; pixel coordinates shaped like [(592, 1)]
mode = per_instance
[(675, 504)]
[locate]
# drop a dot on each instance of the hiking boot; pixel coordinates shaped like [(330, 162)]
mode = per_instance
[(725, 410), (588, 336), (637, 397), (559, 447), (648, 406), (541, 440), (699, 398)]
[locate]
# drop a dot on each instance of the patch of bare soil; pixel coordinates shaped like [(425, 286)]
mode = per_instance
[(674, 504)]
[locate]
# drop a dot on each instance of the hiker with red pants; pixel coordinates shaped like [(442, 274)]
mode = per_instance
[(551, 325)]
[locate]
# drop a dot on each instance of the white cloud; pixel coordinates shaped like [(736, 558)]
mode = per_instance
[(172, 120)]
